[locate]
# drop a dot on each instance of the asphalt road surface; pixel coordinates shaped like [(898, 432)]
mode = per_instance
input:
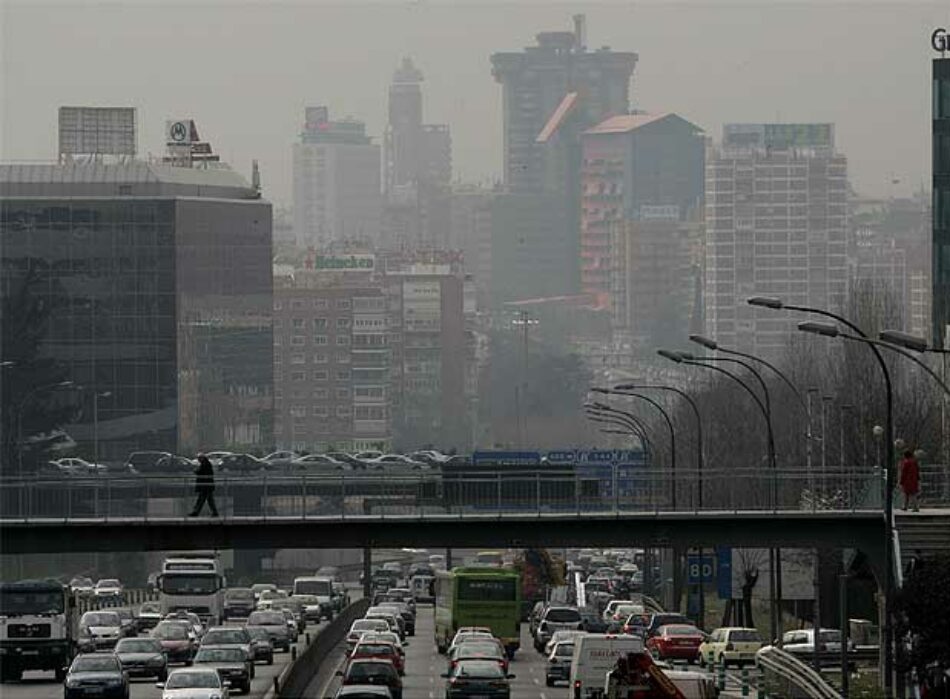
[(41, 685)]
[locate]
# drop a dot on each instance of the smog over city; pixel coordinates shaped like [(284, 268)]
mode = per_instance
[(600, 347)]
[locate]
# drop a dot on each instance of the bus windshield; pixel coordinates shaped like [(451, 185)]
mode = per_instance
[(189, 584), (15, 603)]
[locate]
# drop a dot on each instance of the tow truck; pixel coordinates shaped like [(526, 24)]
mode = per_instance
[(637, 676)]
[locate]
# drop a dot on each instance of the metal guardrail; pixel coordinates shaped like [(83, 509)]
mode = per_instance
[(522, 491), (793, 671)]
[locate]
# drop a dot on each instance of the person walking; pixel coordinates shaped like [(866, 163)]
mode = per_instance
[(910, 480), (204, 487)]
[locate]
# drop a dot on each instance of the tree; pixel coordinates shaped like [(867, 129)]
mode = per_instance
[(922, 617), (29, 302)]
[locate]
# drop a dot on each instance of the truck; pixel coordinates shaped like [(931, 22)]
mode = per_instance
[(315, 594), (38, 628), (638, 676), (193, 582)]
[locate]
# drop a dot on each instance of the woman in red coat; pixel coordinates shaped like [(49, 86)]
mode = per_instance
[(910, 480)]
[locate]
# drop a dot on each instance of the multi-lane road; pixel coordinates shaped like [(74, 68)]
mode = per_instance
[(41, 685)]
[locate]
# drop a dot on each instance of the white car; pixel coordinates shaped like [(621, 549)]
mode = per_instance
[(802, 641), (395, 461), (99, 630), (364, 626), (319, 461), (109, 588), (215, 457), (79, 467), (194, 683)]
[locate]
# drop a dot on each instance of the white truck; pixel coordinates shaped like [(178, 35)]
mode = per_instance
[(315, 594), (193, 582), (595, 655), (38, 628)]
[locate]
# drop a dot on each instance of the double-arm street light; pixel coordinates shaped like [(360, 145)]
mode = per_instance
[(777, 304)]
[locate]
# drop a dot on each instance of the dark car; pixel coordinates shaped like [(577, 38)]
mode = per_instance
[(664, 619), (592, 622), (233, 665), (261, 646), (97, 675), (179, 643), (238, 602), (242, 463), (142, 657), (150, 613), (477, 678), (373, 671)]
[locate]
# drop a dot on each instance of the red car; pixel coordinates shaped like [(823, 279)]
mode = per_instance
[(676, 641), (380, 650)]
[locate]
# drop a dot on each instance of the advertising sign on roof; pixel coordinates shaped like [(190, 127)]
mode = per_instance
[(97, 131), (506, 458), (345, 263), (594, 456)]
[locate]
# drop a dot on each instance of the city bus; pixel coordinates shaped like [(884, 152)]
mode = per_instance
[(487, 597)]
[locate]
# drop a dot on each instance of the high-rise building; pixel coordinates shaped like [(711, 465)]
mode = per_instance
[(776, 225), (552, 92), (638, 168), (337, 193), (941, 201), (159, 280), (471, 232), (331, 355), (404, 136)]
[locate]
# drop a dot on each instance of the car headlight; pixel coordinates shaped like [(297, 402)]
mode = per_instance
[(71, 683)]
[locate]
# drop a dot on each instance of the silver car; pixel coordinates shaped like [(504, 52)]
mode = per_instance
[(276, 624)]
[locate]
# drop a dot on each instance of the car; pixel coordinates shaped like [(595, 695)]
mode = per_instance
[(148, 462), (367, 455), (395, 620), (363, 691), (611, 612), (150, 613), (388, 637), (349, 459), (230, 637), (279, 458), (266, 598), (97, 675), (478, 649), (142, 657), (215, 457), (276, 624), (293, 609), (129, 623), (404, 594), (242, 463), (99, 630), (319, 462), (291, 620), (470, 632), (592, 622), (233, 665), (189, 618), (730, 644), (341, 596), (362, 626), (402, 609), (258, 588), (79, 467), (676, 642), (109, 589), (477, 678), (802, 642), (560, 637), (636, 624), (82, 585), (553, 618), (177, 639), (261, 646), (375, 671), (558, 667), (370, 648), (664, 618), (194, 683), (238, 603), (395, 461)]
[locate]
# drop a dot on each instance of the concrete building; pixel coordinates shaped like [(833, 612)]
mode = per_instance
[(471, 232), (337, 194), (160, 282), (776, 225), (642, 174), (941, 201), (552, 92), (331, 355)]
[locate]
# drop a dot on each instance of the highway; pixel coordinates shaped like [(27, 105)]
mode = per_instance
[(41, 685), (424, 665)]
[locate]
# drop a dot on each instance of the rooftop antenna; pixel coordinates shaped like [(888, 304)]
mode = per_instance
[(256, 177), (580, 31)]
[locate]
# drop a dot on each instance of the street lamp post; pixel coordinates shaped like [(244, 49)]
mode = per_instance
[(95, 425)]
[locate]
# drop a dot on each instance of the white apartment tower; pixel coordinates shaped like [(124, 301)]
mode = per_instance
[(337, 193), (776, 225)]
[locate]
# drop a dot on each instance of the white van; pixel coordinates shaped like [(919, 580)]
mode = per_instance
[(596, 654)]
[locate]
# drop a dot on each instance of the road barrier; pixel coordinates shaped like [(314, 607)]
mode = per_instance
[(129, 598), (301, 673), (799, 679)]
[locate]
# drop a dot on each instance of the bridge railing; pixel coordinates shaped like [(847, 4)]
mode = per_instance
[(354, 494)]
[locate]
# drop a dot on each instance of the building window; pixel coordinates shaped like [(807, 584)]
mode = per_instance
[(297, 375), (342, 322), (320, 358), (320, 304), (298, 411), (320, 340), (298, 359), (343, 304), (343, 375), (320, 375), (298, 323), (343, 411), (343, 340), (342, 358), (297, 341), (319, 323), (320, 393), (342, 393)]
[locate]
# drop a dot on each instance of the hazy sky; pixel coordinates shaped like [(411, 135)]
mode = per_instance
[(245, 70)]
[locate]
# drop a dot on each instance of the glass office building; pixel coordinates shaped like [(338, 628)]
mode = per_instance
[(941, 200), (159, 280)]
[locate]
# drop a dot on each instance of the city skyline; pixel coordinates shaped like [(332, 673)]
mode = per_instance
[(249, 92)]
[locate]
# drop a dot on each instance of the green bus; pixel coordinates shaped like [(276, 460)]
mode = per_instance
[(488, 597)]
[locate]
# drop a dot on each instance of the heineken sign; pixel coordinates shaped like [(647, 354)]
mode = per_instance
[(345, 263)]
